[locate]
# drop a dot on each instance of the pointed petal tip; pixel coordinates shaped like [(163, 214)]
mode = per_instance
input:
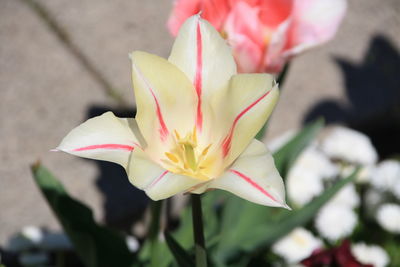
[(54, 150), (286, 206)]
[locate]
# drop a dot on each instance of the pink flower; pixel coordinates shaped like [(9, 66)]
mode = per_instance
[(265, 34)]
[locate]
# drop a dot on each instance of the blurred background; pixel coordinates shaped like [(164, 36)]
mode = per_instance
[(62, 62)]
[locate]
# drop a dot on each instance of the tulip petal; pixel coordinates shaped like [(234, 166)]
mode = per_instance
[(273, 12), (163, 94), (105, 137), (181, 11), (244, 31), (201, 53), (315, 22), (157, 182), (254, 177), (213, 11), (275, 57), (242, 110)]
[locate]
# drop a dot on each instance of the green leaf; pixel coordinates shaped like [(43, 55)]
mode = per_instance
[(259, 236), (96, 245), (287, 155), (269, 233), (181, 256), (392, 247), (155, 253), (238, 216)]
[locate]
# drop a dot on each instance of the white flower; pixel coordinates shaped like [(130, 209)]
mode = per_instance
[(132, 243), (297, 245), (32, 233), (370, 254), (349, 145), (388, 216), (335, 221), (315, 161), (347, 196), (29, 237), (195, 124), (303, 186), (386, 176), (363, 176), (304, 180)]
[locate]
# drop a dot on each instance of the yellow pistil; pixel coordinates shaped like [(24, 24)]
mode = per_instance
[(186, 157), (190, 157)]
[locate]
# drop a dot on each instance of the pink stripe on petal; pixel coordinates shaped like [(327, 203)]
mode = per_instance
[(158, 179), (198, 78), (163, 128), (105, 146), (253, 183), (226, 144)]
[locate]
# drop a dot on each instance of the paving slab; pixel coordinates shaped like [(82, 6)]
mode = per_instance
[(44, 93), (106, 31)]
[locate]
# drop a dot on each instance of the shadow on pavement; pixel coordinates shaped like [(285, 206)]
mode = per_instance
[(123, 203), (373, 94)]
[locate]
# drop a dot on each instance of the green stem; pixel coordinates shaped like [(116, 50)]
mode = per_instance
[(154, 229), (198, 233)]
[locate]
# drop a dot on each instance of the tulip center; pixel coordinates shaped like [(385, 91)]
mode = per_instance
[(186, 157)]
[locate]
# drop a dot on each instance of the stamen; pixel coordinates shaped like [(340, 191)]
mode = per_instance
[(185, 157), (194, 135), (177, 135), (172, 157), (205, 150)]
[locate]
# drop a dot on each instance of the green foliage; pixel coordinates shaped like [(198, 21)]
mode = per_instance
[(392, 246), (256, 228), (287, 155), (181, 256), (97, 246)]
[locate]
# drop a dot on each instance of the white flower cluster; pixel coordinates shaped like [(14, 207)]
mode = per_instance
[(370, 254), (388, 216), (337, 154), (297, 245), (349, 145), (305, 179), (386, 177)]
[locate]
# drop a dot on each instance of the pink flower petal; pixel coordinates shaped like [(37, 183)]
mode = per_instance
[(314, 22)]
